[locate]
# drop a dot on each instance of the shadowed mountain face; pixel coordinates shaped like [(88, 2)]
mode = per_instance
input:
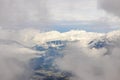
[(44, 65)]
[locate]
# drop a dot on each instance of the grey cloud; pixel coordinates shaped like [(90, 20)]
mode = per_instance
[(111, 6), (23, 12)]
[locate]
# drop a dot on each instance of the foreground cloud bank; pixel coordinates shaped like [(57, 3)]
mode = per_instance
[(96, 59), (14, 56), (88, 55)]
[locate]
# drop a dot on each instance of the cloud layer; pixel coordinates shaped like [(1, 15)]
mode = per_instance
[(23, 12)]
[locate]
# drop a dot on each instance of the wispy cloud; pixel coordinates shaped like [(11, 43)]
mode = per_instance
[(14, 56)]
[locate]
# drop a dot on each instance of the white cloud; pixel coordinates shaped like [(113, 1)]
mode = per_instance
[(14, 55), (87, 63)]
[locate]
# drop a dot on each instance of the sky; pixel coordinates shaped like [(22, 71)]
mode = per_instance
[(22, 26), (91, 15)]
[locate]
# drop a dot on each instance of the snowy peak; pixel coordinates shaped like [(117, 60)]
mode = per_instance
[(57, 40), (74, 35), (57, 44)]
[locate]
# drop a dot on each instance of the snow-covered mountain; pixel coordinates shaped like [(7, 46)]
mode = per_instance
[(57, 40), (49, 47), (54, 45)]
